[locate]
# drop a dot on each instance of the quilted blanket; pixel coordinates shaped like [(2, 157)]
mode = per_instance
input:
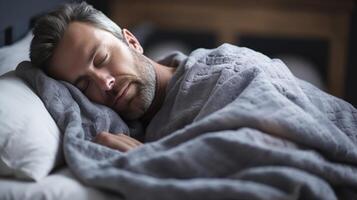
[(235, 124)]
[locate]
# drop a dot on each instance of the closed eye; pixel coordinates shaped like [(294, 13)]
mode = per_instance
[(102, 60)]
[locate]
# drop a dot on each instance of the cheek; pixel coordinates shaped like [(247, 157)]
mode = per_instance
[(121, 65), (94, 94)]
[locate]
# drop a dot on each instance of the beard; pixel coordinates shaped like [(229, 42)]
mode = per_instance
[(146, 88)]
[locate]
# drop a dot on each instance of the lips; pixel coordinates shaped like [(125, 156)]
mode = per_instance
[(121, 94)]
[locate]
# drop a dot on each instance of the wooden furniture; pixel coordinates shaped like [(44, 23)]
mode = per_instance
[(320, 19)]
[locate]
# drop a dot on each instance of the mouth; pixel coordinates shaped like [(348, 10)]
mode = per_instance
[(121, 94)]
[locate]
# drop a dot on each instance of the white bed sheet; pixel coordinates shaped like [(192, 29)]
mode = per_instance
[(57, 186)]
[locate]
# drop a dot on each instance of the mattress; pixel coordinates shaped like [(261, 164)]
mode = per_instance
[(59, 185)]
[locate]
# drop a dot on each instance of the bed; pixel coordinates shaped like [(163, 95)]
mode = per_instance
[(31, 161)]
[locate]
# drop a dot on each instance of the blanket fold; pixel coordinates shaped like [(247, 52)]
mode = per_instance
[(235, 124)]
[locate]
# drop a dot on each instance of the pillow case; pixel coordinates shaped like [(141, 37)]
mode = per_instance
[(30, 141), (13, 54)]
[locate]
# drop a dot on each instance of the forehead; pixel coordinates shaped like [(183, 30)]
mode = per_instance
[(74, 48), (79, 31)]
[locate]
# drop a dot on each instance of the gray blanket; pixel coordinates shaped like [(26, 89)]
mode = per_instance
[(235, 125)]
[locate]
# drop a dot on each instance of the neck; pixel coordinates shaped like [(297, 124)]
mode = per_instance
[(163, 76)]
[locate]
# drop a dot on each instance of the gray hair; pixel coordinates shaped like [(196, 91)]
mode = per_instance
[(50, 28)]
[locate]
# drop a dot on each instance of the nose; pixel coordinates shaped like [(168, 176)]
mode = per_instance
[(103, 79)]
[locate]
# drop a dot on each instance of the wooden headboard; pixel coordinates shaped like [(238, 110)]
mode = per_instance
[(17, 17)]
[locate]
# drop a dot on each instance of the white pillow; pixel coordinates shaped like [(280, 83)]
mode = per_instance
[(30, 141), (13, 54)]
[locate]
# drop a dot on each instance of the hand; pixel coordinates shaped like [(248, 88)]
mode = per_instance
[(119, 142)]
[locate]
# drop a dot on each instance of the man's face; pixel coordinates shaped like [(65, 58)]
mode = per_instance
[(105, 69)]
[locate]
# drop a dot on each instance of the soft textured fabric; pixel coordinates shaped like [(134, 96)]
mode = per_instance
[(235, 124), (30, 141)]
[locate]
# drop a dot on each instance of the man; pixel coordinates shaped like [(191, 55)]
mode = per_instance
[(80, 45)]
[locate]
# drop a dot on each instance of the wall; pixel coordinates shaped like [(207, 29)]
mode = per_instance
[(351, 89)]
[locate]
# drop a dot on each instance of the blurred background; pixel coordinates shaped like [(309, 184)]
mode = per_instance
[(317, 39)]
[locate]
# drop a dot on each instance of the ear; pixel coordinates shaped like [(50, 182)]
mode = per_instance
[(132, 41)]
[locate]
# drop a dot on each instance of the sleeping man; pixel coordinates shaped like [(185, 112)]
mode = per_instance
[(81, 46), (221, 123)]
